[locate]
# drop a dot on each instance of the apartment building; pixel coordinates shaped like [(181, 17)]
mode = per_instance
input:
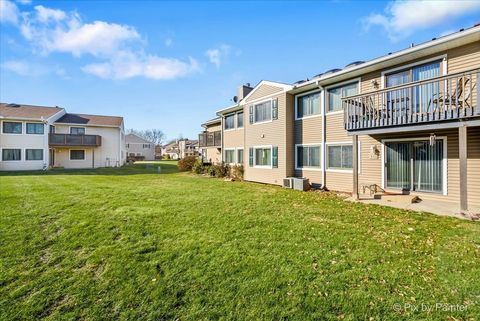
[(210, 141), (39, 137), (406, 122), (188, 147), (139, 147)]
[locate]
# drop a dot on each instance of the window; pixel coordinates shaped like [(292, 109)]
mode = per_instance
[(11, 154), (263, 156), (128, 145), (308, 105), (10, 127), (240, 156), (230, 121), (340, 156), (77, 154), (336, 94), (34, 154), (35, 128), (77, 130), (240, 119), (229, 156), (146, 146), (308, 156), (263, 111)]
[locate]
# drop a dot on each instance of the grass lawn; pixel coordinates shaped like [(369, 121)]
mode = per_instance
[(136, 244)]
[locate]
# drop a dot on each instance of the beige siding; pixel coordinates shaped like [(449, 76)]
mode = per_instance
[(473, 168), (272, 133), (264, 91), (233, 138), (290, 136)]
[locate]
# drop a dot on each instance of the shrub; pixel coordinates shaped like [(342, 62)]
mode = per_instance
[(221, 170), (186, 163), (236, 172), (198, 167)]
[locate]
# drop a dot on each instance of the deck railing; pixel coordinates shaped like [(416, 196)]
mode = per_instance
[(74, 140), (210, 139), (448, 97)]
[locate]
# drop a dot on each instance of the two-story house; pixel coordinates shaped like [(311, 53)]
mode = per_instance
[(38, 137), (139, 147), (406, 122)]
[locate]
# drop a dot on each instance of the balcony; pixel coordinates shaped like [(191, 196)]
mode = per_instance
[(210, 139), (445, 98), (63, 140)]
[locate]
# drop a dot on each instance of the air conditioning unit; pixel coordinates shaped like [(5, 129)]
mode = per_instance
[(300, 184), (287, 182)]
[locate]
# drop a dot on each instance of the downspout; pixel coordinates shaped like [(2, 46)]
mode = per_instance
[(324, 135), (223, 143)]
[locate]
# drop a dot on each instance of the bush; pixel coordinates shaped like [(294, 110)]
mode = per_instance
[(186, 163), (221, 170), (198, 167), (236, 172)]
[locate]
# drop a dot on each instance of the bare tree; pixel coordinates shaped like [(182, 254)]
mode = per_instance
[(155, 136)]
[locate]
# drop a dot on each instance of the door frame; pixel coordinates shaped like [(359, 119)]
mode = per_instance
[(412, 139)]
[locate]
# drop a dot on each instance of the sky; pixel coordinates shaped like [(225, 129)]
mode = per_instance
[(172, 65)]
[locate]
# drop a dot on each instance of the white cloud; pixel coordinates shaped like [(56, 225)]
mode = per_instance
[(8, 12), (24, 1), (217, 55), (168, 42), (26, 68), (118, 46), (126, 65), (401, 18)]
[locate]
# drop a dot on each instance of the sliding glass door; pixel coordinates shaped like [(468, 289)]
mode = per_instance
[(416, 166)]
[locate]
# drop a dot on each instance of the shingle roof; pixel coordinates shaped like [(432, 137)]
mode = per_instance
[(84, 119), (27, 111)]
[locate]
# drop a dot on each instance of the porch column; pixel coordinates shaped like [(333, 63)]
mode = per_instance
[(355, 166), (462, 157)]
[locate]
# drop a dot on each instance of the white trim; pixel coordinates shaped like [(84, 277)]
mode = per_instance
[(73, 160), (255, 156), (444, 161), (308, 168), (234, 149), (34, 122), (340, 170), (34, 160), (314, 91), (358, 80), (236, 155), (442, 58), (86, 125), (284, 88)]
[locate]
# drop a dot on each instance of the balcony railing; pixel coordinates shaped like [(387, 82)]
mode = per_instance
[(210, 139), (453, 96), (74, 140)]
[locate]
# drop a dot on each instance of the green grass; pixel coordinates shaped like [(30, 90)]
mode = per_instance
[(136, 244)]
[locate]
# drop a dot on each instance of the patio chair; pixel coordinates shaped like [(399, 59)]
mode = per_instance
[(457, 99)]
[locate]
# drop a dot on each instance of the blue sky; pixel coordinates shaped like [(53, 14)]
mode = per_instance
[(171, 65)]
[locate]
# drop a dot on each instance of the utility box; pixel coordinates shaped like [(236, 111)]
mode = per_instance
[(300, 184), (287, 182)]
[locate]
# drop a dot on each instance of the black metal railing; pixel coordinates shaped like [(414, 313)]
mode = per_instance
[(453, 96), (210, 139)]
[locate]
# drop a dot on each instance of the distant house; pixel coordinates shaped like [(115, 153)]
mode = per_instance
[(39, 137), (188, 148), (139, 147), (171, 150)]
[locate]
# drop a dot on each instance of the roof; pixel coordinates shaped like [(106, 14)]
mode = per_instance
[(27, 111), (132, 138), (215, 120), (92, 120)]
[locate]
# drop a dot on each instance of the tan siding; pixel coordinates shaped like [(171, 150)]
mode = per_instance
[(335, 130), (214, 128), (473, 167), (233, 138), (264, 91), (290, 152), (271, 133)]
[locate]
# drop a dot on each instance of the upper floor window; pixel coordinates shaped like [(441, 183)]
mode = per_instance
[(35, 128), (263, 111), (11, 127), (230, 121), (77, 130), (336, 94), (308, 105), (240, 119)]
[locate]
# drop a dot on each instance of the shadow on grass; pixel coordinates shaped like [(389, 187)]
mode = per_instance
[(164, 167)]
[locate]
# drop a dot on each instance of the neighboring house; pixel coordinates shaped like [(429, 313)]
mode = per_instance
[(187, 147), (139, 147), (37, 137), (171, 150), (406, 122), (210, 141)]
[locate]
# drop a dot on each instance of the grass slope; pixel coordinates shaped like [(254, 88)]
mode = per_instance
[(135, 244)]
